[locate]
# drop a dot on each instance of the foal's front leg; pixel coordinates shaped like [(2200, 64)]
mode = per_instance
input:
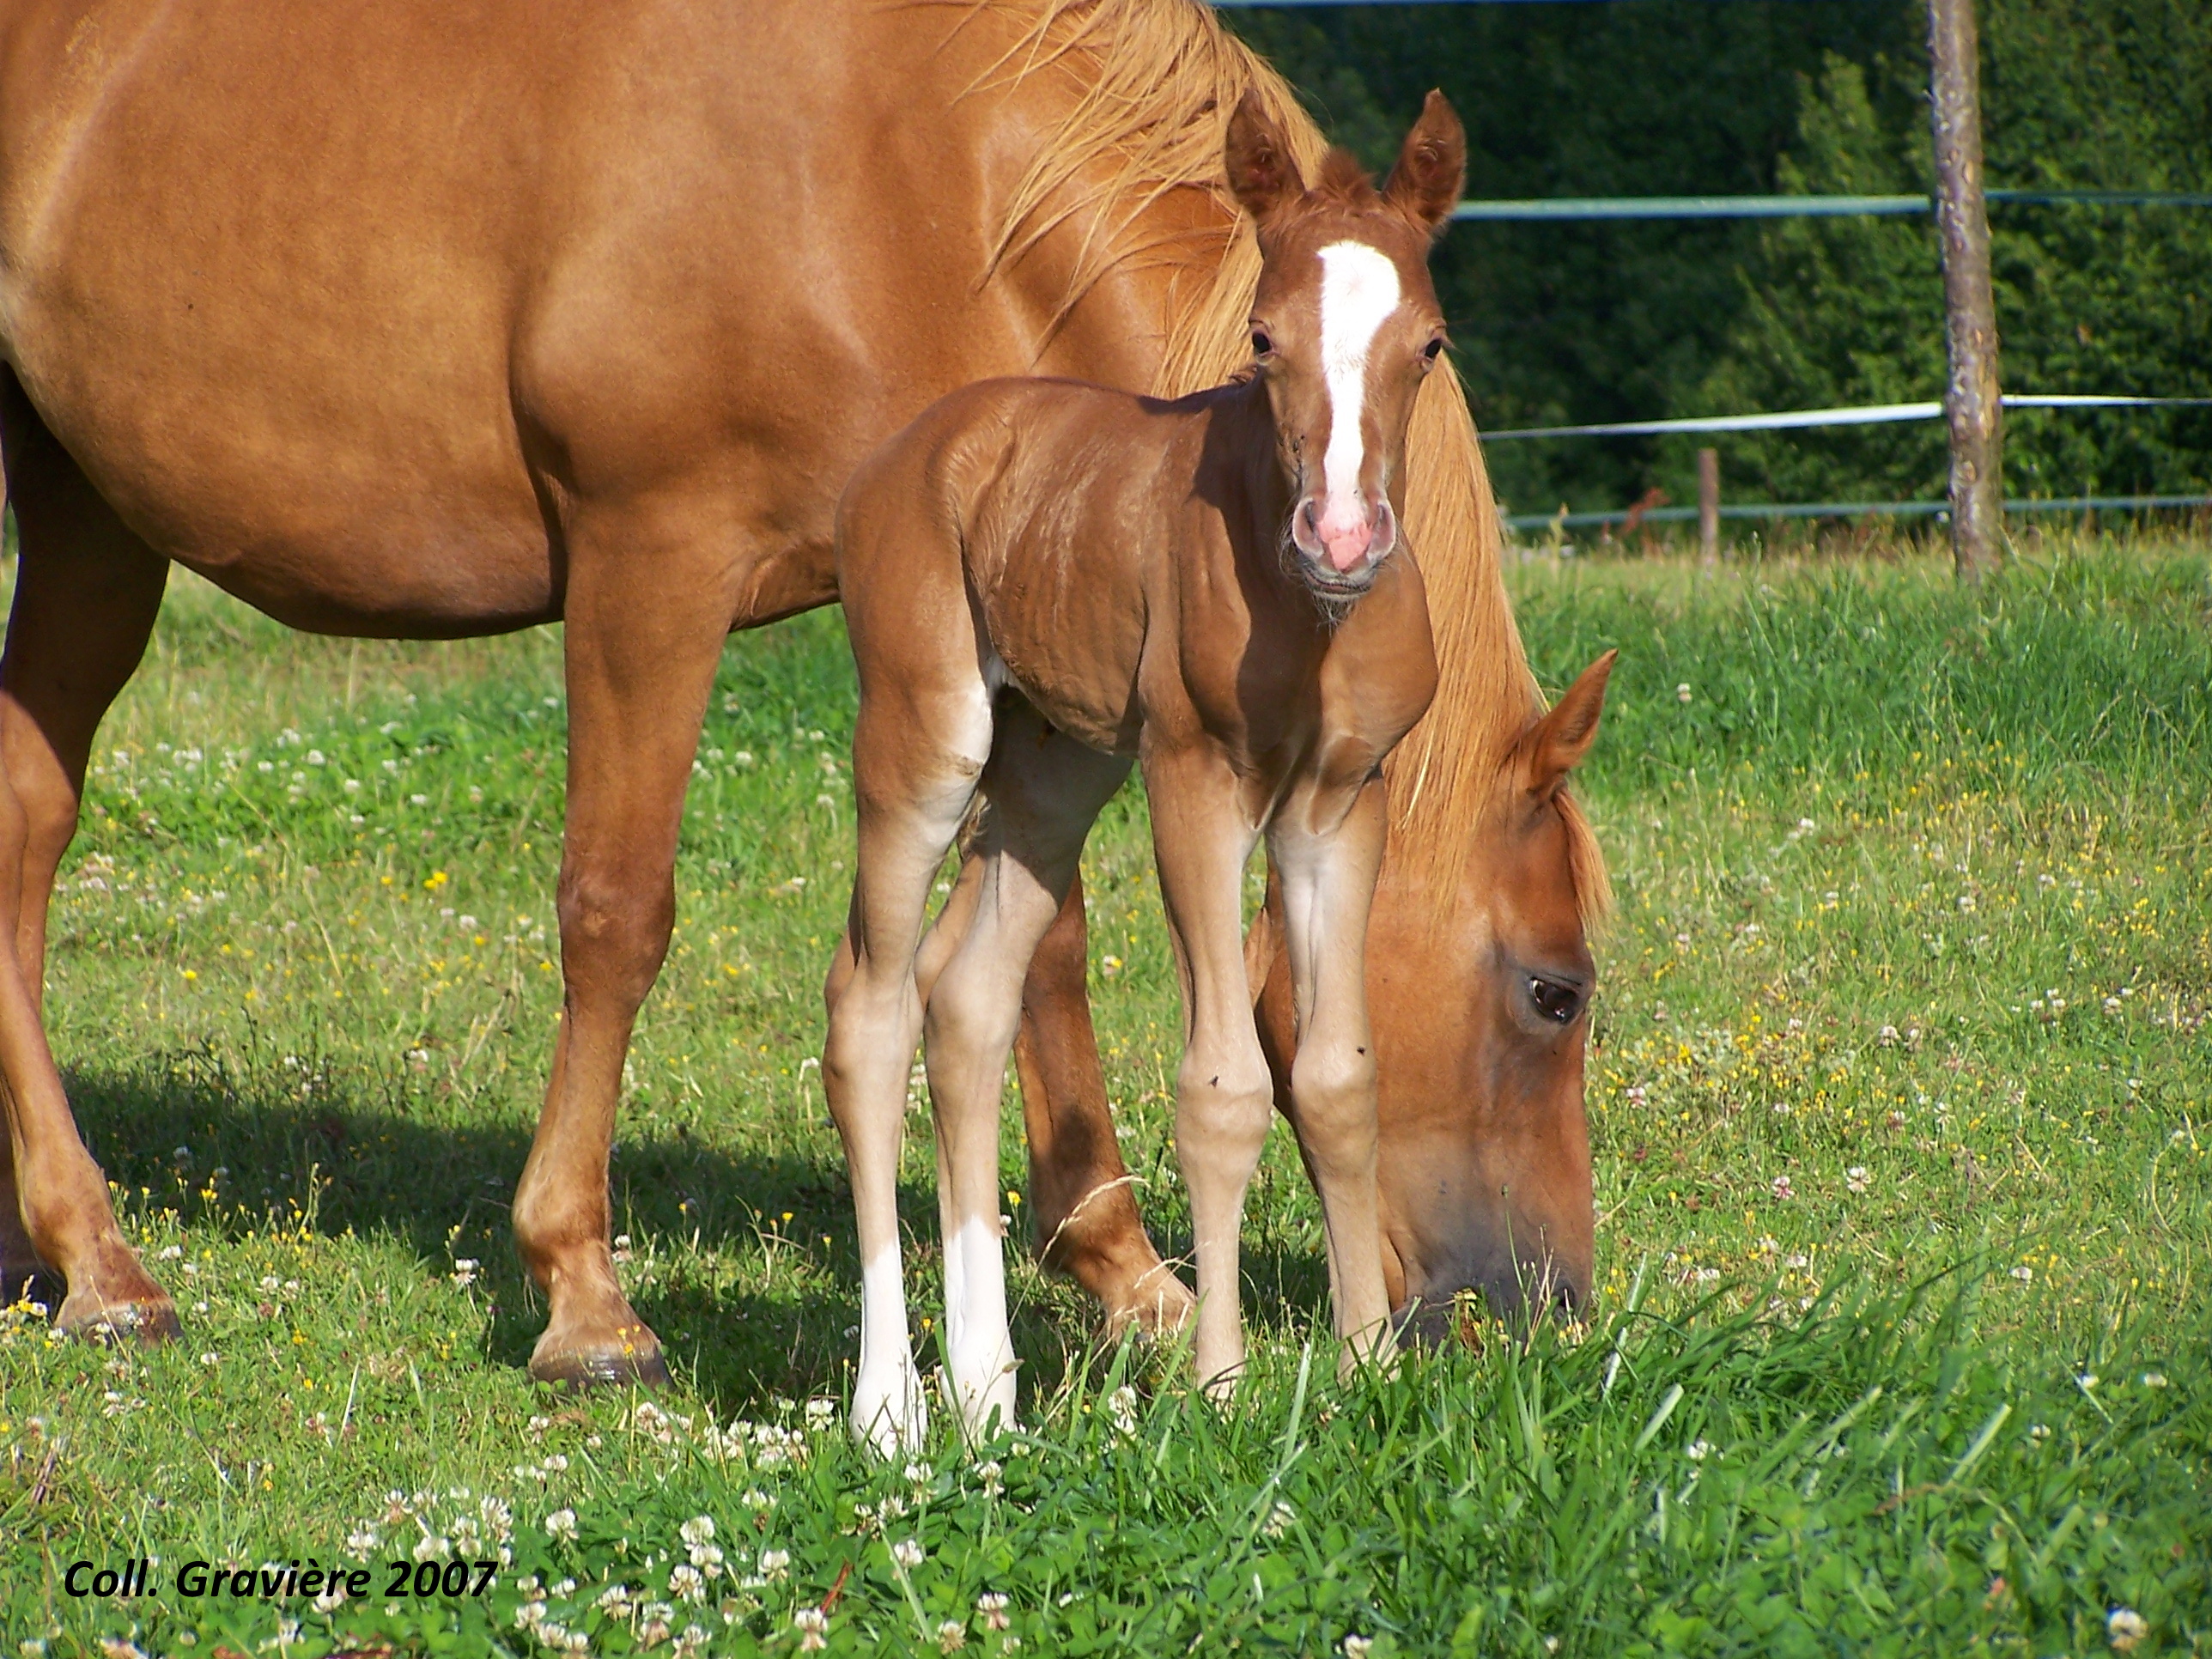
[(1327, 844), (1223, 1094)]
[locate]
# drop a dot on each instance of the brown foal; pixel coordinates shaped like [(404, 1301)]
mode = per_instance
[(1045, 580)]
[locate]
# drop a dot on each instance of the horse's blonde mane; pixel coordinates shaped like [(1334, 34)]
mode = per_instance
[(1158, 80)]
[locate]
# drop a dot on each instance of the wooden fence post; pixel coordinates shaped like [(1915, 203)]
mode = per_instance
[(1708, 507), (1970, 401)]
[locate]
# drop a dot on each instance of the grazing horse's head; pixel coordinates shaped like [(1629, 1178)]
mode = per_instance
[(1345, 326), (1485, 1165)]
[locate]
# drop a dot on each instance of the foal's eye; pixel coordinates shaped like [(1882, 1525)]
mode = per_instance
[(1554, 1001), (1262, 345)]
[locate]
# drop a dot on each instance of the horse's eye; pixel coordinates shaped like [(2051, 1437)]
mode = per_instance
[(1262, 345), (1556, 1002), (1434, 350)]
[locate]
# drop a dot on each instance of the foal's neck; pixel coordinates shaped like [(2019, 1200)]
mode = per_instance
[(1247, 438)]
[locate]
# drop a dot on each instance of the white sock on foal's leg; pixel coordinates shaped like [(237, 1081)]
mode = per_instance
[(979, 1343), (887, 1402)]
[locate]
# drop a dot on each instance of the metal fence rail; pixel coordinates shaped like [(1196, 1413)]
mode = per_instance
[(1858, 509), (1576, 209), (1800, 419)]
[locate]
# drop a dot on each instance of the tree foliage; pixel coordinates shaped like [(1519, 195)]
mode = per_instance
[(1560, 323)]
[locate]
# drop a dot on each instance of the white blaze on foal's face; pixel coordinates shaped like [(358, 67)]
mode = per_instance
[(1359, 291)]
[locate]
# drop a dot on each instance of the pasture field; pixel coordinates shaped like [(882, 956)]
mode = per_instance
[(1900, 1083)]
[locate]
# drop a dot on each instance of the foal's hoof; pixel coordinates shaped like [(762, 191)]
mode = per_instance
[(633, 1360), (147, 1320)]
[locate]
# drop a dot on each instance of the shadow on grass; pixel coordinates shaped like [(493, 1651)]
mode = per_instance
[(339, 1152)]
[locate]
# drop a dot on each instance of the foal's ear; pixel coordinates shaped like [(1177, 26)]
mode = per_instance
[(1556, 744), (1263, 174), (1431, 168)]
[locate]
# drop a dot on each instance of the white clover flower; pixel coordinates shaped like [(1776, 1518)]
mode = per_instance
[(1122, 1405), (992, 1473), (1356, 1647), (615, 1599), (951, 1635), (1279, 1520), (561, 1523), (991, 1610), (686, 1583), (699, 1529), (811, 1623), (1697, 1450), (820, 1412), (1782, 1187), (1855, 1178), (908, 1553), (2124, 1628), (919, 1473), (464, 1271), (2023, 1273), (2154, 1379), (774, 1564), (1682, 694)]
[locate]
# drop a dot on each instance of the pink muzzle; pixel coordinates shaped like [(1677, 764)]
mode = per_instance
[(1345, 535)]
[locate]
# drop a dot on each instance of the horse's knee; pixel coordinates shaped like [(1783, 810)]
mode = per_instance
[(1333, 1088), (1333, 1097), (1225, 1103), (614, 934)]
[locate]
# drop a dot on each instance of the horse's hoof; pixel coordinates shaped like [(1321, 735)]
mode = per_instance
[(635, 1361), (145, 1320), (1158, 1304)]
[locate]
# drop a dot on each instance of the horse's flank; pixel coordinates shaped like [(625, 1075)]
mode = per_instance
[(1160, 79)]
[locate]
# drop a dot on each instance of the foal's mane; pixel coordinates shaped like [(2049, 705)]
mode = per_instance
[(1158, 80)]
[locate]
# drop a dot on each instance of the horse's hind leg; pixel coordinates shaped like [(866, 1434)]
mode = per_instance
[(86, 595), (1085, 1216), (919, 746), (1044, 790)]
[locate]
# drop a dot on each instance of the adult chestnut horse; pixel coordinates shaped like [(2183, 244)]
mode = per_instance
[(426, 320)]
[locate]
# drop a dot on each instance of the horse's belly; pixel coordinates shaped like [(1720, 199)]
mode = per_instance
[(338, 496), (272, 335)]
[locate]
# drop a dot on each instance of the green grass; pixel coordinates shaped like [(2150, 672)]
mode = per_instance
[(1899, 1090)]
